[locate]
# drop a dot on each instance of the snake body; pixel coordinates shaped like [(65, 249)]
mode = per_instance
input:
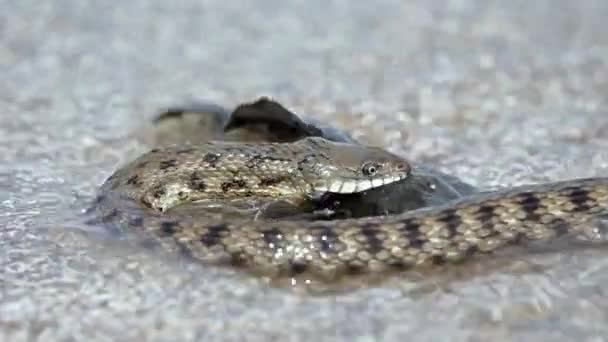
[(139, 197)]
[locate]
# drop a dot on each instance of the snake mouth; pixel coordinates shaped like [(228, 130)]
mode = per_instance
[(351, 186)]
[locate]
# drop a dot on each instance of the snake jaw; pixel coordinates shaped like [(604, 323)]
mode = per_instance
[(351, 186)]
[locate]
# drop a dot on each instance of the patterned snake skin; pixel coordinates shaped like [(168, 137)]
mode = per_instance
[(139, 198)]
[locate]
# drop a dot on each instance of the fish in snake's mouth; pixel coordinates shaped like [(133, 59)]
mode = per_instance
[(351, 186)]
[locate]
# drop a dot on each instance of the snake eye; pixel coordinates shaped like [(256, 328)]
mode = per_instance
[(370, 169)]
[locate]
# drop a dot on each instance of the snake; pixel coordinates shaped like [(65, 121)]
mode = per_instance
[(143, 196)]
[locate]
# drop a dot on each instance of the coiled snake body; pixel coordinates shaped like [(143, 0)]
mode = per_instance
[(141, 196)]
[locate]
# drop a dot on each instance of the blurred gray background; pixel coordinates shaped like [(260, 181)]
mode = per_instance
[(495, 92)]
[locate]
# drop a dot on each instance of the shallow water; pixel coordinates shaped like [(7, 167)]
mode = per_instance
[(497, 93)]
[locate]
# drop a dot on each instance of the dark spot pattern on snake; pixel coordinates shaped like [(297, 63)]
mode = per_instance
[(326, 239), (158, 191), (133, 180), (235, 183), (580, 199), (530, 204), (452, 221), (411, 232), (168, 227), (213, 234), (374, 244), (271, 180), (438, 260), (486, 213), (166, 164), (197, 182), (296, 268)]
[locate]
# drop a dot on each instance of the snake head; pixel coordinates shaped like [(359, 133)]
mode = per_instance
[(346, 168)]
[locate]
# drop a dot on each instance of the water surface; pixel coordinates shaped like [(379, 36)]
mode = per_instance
[(497, 93)]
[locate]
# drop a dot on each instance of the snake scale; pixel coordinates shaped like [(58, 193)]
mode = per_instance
[(140, 197)]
